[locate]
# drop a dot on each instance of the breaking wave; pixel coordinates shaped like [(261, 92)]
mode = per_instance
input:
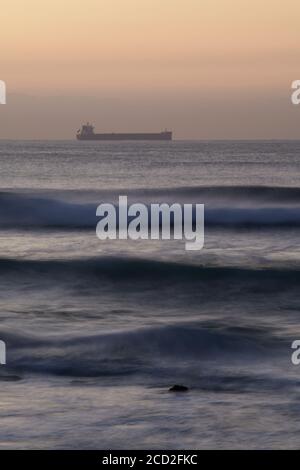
[(24, 211), (143, 350)]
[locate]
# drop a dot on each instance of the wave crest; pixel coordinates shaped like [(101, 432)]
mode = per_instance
[(122, 352), (24, 211)]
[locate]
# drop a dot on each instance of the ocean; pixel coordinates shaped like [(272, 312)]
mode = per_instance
[(98, 331)]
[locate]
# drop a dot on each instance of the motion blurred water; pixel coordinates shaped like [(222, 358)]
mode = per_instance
[(97, 332)]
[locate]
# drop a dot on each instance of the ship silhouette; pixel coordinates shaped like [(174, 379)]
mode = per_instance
[(87, 133)]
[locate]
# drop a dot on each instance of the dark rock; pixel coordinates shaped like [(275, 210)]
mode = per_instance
[(178, 388)]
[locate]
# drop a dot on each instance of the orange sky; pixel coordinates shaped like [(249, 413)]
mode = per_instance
[(96, 47)]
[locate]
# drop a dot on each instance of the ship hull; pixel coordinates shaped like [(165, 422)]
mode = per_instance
[(128, 136)]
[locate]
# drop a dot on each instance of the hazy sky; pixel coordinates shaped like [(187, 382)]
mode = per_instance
[(205, 68)]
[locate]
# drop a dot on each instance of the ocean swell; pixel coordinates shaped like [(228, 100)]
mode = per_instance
[(19, 211), (136, 351), (126, 269)]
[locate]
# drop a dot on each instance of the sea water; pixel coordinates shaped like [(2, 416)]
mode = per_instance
[(96, 332)]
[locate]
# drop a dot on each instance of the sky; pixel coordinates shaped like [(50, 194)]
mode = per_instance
[(206, 69)]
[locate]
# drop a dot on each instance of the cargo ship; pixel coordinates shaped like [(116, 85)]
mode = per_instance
[(87, 133)]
